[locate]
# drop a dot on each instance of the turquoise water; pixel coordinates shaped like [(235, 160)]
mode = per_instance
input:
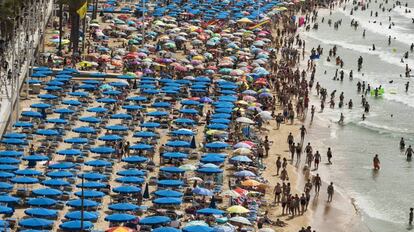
[(383, 197)]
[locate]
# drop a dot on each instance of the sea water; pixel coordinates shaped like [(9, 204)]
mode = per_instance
[(383, 197)]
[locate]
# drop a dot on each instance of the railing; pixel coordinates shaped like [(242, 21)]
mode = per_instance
[(19, 54)]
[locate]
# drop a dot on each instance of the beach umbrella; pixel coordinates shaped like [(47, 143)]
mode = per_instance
[(57, 121), (165, 229), (23, 124), (5, 186), (72, 102), (183, 132), (47, 132), (31, 114), (145, 134), (62, 165), (90, 119), (41, 212), (244, 120), (14, 136), (172, 169), (76, 140), (168, 193), (154, 220), (110, 138), (6, 175), (98, 163), (10, 153), (78, 203), (197, 228), (177, 143), (35, 223), (27, 172), (91, 185), (241, 158), (41, 202), (55, 183), (170, 183), (237, 209), (9, 160), (102, 150), (8, 167), (77, 215), (64, 111), (138, 146), (210, 211), (184, 121), (150, 125), (6, 210), (121, 116), (123, 207), (85, 130), (244, 173), (47, 192), (92, 176), (241, 220), (69, 152), (120, 217), (212, 159), (242, 151), (131, 172), (59, 174), (251, 183), (126, 189), (188, 167), (9, 199), (130, 180), (217, 145), (97, 110), (76, 225), (167, 201), (174, 155), (202, 191), (24, 180)]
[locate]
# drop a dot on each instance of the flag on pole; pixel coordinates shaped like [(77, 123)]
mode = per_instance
[(82, 10)]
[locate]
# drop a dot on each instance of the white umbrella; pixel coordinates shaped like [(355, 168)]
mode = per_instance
[(266, 115), (245, 120), (241, 220), (231, 193)]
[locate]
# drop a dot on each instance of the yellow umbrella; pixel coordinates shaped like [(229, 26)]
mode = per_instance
[(251, 183), (244, 20), (198, 57), (237, 209), (85, 64)]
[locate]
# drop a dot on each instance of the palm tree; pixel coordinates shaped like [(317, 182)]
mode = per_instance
[(73, 6)]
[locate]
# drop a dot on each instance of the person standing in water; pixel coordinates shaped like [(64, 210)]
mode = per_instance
[(329, 155), (411, 216), (409, 153), (376, 162), (330, 191), (402, 144)]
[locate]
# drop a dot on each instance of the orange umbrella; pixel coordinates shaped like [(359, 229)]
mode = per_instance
[(251, 183), (120, 229)]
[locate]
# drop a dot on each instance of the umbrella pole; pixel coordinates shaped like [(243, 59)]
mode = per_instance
[(82, 207)]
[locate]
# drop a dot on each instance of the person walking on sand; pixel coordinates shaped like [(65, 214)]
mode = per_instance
[(278, 165), (317, 182), (302, 133), (329, 155), (317, 160), (411, 216), (298, 151), (376, 162), (277, 191), (330, 192)]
